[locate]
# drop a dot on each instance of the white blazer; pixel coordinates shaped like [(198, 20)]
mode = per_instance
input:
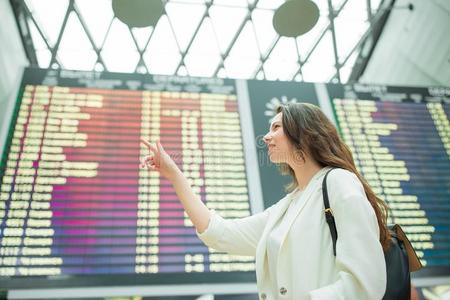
[(306, 266)]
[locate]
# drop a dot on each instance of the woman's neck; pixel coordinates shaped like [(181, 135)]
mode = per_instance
[(305, 172)]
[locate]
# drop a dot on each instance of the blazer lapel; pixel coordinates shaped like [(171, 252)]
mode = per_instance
[(312, 187), (277, 214), (262, 247)]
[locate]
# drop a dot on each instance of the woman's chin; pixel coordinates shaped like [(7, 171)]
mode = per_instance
[(273, 159)]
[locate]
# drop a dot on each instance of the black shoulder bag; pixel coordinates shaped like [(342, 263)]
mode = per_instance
[(400, 258)]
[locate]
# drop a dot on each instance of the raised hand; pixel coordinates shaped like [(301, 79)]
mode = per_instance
[(159, 160)]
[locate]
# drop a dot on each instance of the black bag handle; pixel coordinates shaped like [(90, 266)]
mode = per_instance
[(329, 213)]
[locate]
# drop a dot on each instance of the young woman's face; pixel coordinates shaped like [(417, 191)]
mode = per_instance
[(279, 148)]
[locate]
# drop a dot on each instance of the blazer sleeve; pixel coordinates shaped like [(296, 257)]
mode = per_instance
[(359, 254), (237, 236)]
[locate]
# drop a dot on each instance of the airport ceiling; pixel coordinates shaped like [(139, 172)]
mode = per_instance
[(209, 38)]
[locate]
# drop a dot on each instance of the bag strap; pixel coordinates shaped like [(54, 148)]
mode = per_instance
[(329, 213)]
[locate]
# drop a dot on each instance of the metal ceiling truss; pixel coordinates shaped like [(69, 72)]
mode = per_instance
[(23, 16)]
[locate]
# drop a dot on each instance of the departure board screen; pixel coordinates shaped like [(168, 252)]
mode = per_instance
[(77, 210), (73, 200), (400, 139)]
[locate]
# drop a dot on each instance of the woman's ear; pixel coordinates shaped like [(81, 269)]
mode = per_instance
[(299, 157)]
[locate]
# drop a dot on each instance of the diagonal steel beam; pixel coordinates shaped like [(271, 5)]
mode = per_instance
[(377, 23), (89, 35), (232, 43), (22, 15), (311, 51), (265, 57), (332, 16), (55, 49), (300, 63), (141, 61)]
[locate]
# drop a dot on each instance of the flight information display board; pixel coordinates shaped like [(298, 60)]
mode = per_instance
[(73, 200), (76, 209), (400, 138)]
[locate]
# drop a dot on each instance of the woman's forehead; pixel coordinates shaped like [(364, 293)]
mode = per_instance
[(276, 118)]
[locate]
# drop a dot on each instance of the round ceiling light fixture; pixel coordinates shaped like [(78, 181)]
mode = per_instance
[(138, 13), (295, 17)]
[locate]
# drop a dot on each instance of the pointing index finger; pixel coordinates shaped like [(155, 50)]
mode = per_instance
[(149, 146)]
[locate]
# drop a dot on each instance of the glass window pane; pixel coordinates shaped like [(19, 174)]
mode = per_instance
[(162, 55), (42, 53), (120, 53), (307, 41), (44, 56), (97, 15), (142, 36), (346, 70), (350, 26), (185, 19), (265, 33), (244, 58), (269, 4), (320, 66), (75, 50), (49, 15), (38, 41), (237, 3), (338, 3), (323, 6), (189, 1), (226, 22), (283, 61), (204, 56), (375, 4)]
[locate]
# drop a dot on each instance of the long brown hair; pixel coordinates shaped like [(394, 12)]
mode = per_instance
[(310, 131)]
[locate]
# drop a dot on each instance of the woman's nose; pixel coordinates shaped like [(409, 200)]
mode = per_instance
[(266, 138)]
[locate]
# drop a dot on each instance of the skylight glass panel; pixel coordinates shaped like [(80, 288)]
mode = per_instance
[(75, 50), (49, 15), (97, 16), (142, 36), (269, 4), (323, 6), (44, 57), (226, 22), (374, 5), (162, 55), (238, 3), (190, 1), (320, 66), (42, 53), (307, 41), (204, 56), (244, 57), (350, 26), (185, 19), (346, 70), (283, 61), (120, 53), (224, 41), (38, 41), (265, 33), (338, 3)]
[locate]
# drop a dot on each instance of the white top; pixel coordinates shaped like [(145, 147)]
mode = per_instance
[(276, 236), (306, 268)]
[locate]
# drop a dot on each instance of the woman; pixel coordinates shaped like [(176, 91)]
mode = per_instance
[(291, 240)]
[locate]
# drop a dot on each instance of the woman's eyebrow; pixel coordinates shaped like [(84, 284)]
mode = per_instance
[(276, 122)]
